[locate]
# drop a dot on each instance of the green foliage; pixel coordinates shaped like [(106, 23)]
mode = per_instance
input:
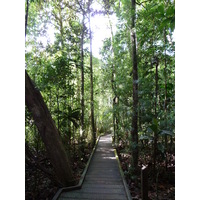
[(164, 132), (55, 69), (154, 28)]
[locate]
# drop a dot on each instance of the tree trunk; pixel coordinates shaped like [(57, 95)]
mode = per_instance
[(115, 118), (117, 124), (114, 125), (91, 83), (165, 72), (61, 27), (156, 89), (49, 133), (26, 16), (134, 131), (144, 183), (82, 78), (156, 117), (58, 110), (114, 87)]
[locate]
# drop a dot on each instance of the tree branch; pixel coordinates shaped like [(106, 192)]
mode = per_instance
[(69, 6), (81, 7), (141, 3)]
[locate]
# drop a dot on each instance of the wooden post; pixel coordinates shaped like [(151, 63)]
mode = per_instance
[(144, 183)]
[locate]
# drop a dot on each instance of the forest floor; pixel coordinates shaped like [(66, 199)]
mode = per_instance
[(163, 188), (39, 176)]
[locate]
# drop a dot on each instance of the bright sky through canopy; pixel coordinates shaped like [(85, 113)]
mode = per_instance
[(100, 30)]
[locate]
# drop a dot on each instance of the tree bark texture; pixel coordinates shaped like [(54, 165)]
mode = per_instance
[(49, 133), (134, 131)]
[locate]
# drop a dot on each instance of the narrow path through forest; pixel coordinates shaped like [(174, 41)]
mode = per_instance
[(103, 180)]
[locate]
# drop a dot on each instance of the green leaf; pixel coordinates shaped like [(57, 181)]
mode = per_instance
[(149, 130), (155, 122), (144, 137), (170, 11), (161, 9), (74, 123), (165, 132), (75, 114)]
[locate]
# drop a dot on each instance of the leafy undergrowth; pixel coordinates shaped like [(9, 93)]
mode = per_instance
[(161, 189), (40, 181)]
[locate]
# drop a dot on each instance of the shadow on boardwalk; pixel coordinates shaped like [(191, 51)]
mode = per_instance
[(103, 180)]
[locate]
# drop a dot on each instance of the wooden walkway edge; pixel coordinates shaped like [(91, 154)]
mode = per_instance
[(104, 179), (79, 186)]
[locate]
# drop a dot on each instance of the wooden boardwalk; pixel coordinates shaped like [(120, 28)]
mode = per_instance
[(103, 180)]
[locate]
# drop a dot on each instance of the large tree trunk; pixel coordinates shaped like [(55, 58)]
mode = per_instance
[(134, 131), (48, 132)]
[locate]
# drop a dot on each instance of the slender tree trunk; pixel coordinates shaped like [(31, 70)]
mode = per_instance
[(26, 16), (156, 90), (156, 117), (114, 124), (117, 124), (134, 131), (49, 133), (165, 99), (115, 118), (82, 78), (155, 61), (113, 89), (61, 27), (115, 128), (58, 109), (91, 84), (69, 131)]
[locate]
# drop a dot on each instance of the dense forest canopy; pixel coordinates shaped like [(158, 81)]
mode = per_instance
[(56, 66), (128, 89)]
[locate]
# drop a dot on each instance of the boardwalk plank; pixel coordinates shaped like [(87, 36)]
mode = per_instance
[(103, 180), (102, 190), (94, 196), (88, 185)]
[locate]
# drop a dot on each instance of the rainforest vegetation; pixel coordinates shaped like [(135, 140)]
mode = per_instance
[(72, 96)]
